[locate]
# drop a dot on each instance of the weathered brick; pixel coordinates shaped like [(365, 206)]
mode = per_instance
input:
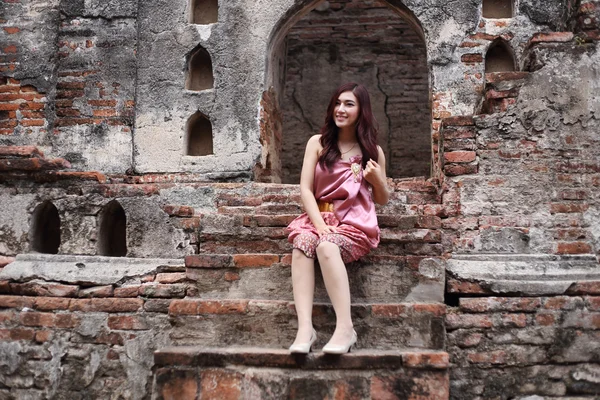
[(179, 384), (492, 304), (460, 156), (473, 58), (455, 321), (157, 305), (163, 290), (17, 334), (110, 338), (173, 277), (568, 207), (97, 291), (110, 305), (178, 211), (127, 322), (183, 307), (388, 310), (592, 303), (460, 169), (208, 261), (563, 303), (127, 291), (37, 319), (43, 336), (511, 321), (16, 302), (552, 37), (66, 321), (222, 384), (51, 303), (573, 248), (255, 260), (546, 318), (426, 360)]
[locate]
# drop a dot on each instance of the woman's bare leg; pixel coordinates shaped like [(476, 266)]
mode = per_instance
[(303, 282), (335, 277)]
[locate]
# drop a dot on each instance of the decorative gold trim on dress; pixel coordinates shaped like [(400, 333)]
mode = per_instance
[(325, 206), (355, 168)]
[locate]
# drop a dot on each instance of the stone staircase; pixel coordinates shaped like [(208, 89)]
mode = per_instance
[(230, 333)]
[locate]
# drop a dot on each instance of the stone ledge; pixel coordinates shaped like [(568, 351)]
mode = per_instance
[(86, 270), (526, 274), (259, 357)]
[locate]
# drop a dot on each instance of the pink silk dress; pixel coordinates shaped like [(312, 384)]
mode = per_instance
[(353, 212)]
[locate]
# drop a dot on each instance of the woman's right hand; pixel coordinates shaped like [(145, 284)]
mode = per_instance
[(325, 229)]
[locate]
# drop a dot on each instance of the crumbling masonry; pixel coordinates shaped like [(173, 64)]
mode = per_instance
[(149, 157)]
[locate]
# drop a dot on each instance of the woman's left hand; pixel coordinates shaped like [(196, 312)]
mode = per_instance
[(373, 173)]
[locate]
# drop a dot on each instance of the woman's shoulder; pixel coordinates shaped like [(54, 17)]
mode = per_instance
[(315, 138), (315, 142)]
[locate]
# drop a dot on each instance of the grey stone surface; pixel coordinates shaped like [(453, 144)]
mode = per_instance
[(528, 274), (81, 269)]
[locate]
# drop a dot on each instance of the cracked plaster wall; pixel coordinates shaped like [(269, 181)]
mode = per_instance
[(113, 74)]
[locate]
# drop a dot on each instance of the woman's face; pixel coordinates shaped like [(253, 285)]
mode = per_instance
[(345, 113)]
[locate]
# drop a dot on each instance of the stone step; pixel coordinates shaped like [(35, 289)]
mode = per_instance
[(253, 373), (268, 276), (215, 223), (272, 323), (400, 234)]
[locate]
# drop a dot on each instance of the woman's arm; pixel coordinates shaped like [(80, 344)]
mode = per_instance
[(307, 178), (374, 173)]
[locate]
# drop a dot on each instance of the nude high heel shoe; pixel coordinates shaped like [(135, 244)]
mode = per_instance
[(304, 348), (340, 349)]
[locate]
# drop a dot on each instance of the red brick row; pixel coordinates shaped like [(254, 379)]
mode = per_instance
[(110, 305)]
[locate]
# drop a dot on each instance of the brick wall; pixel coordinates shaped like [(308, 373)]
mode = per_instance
[(505, 347), (369, 43), (71, 341)]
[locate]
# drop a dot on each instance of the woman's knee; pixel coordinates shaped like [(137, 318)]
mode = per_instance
[(327, 250), (298, 256)]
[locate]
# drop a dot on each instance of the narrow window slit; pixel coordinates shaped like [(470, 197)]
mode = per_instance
[(113, 231), (45, 229), (199, 138), (200, 74)]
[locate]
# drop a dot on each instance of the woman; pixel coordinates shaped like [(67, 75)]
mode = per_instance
[(340, 225)]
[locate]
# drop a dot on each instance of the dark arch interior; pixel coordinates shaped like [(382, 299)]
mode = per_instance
[(113, 227), (499, 58), (204, 11), (497, 8), (373, 44), (45, 229), (200, 74), (199, 136)]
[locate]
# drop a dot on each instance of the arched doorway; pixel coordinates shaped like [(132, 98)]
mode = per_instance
[(374, 43)]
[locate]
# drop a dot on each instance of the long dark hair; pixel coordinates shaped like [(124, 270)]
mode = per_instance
[(366, 128)]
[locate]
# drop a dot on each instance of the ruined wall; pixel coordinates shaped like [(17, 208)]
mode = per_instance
[(512, 204), (368, 43), (506, 348)]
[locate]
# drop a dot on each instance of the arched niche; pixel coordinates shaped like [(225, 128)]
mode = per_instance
[(112, 234), (497, 8), (381, 45), (199, 137), (44, 234), (499, 57), (199, 73), (204, 11)]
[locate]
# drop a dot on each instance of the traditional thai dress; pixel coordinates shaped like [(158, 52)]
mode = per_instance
[(345, 203)]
